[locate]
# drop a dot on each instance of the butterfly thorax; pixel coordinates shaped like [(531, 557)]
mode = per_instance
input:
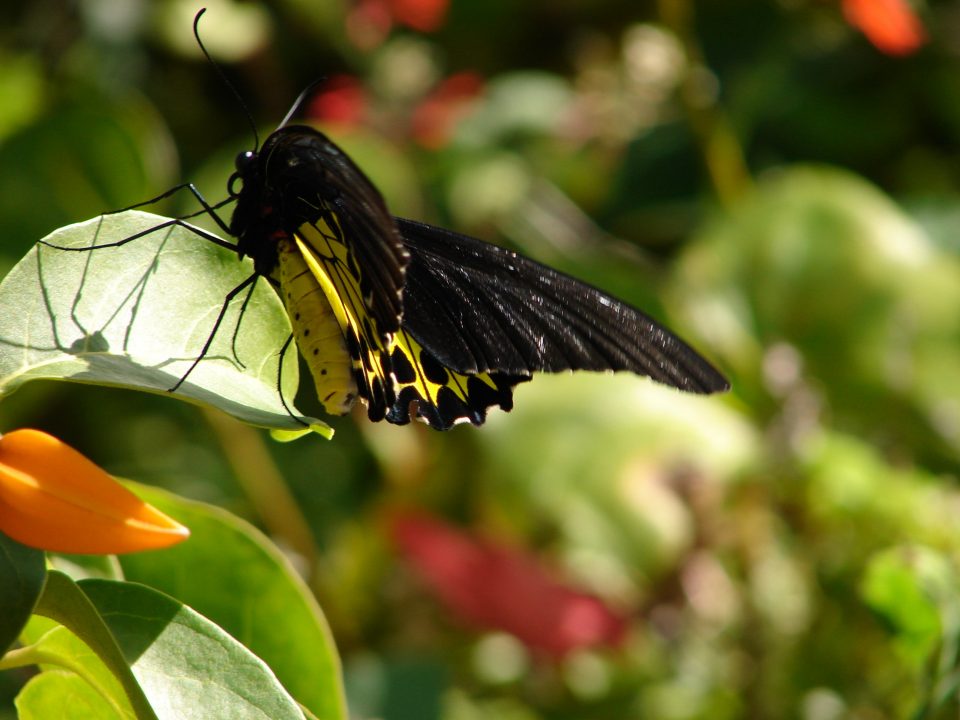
[(310, 221), (300, 179), (282, 188)]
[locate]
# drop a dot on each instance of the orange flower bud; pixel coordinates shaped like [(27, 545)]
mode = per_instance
[(53, 498)]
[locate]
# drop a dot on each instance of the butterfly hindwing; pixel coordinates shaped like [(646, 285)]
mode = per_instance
[(327, 255), (389, 377), (442, 396)]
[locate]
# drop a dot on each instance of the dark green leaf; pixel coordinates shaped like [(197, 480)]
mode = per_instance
[(22, 573)]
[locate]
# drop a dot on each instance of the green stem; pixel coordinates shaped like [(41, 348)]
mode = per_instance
[(722, 153), (261, 480), (25, 656)]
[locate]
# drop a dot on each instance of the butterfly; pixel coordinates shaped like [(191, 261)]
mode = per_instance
[(410, 318)]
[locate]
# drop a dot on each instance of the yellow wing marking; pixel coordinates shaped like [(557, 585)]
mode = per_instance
[(444, 397), (329, 260), (428, 380)]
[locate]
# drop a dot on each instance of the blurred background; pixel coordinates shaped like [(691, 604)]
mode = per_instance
[(778, 181)]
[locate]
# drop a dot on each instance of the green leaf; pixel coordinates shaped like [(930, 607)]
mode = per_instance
[(138, 315), (22, 572), (904, 585), (63, 695), (59, 651), (129, 641), (189, 667), (232, 574), (63, 601)]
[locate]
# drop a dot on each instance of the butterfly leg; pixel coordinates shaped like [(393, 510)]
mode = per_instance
[(207, 208), (200, 232), (283, 400), (236, 329), (216, 326)]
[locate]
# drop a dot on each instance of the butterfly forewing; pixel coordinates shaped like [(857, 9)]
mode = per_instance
[(479, 307)]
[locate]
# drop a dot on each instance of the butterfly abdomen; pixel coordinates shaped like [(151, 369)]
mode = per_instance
[(317, 332)]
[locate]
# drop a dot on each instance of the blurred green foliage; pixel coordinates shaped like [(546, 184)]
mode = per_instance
[(754, 173)]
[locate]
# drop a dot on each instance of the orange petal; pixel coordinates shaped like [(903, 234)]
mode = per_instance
[(53, 498), (891, 25)]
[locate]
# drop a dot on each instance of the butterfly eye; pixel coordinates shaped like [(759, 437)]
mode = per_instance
[(244, 161)]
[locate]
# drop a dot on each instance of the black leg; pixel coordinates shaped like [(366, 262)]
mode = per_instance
[(200, 232), (216, 326), (283, 401), (207, 207)]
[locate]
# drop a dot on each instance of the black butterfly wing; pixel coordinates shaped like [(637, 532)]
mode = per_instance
[(480, 308)]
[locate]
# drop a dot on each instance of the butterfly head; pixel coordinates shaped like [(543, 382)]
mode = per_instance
[(256, 220), (277, 189)]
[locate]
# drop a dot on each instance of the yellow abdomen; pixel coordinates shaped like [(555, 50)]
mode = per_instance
[(317, 331)]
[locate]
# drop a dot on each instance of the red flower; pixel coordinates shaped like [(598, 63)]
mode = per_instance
[(422, 15), (369, 21), (503, 588), (891, 25), (340, 100), (436, 116)]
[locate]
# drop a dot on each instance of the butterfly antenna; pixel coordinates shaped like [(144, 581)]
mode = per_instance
[(301, 99), (225, 79)]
